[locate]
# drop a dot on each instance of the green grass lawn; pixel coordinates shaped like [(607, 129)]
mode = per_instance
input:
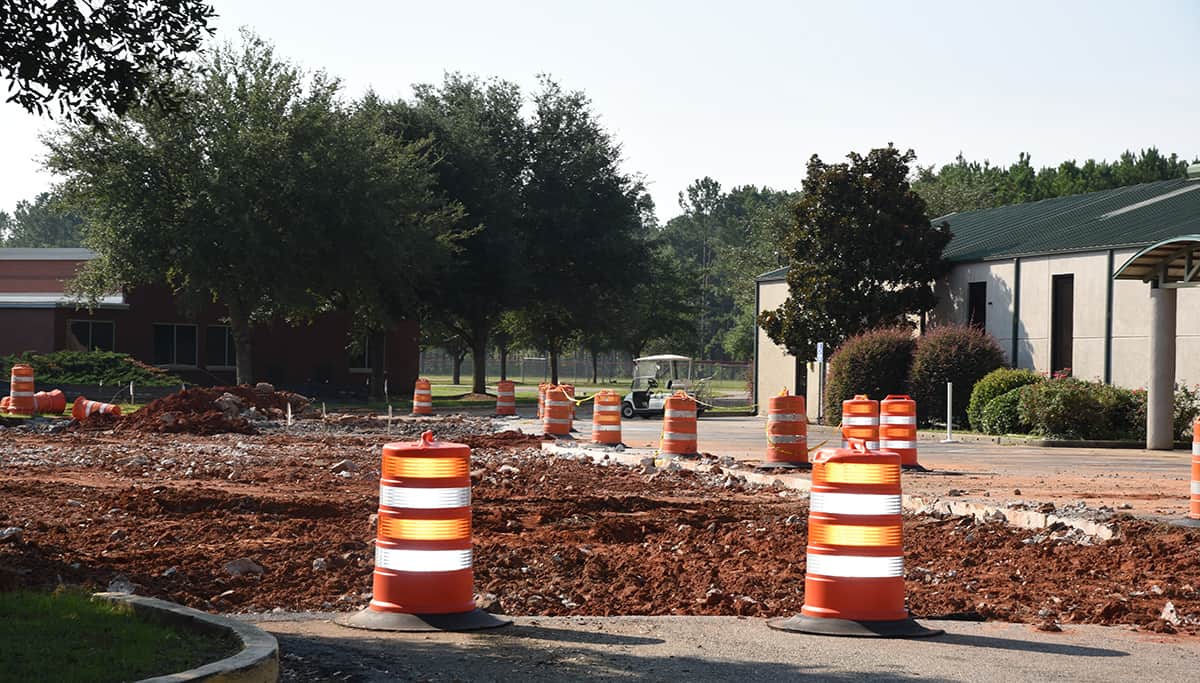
[(67, 636)]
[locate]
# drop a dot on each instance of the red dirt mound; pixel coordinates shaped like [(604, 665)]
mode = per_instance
[(197, 411), (506, 439)]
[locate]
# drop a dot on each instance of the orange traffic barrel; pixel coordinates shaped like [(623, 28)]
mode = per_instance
[(679, 425), (49, 402), (570, 389), (1193, 517), (606, 418), (423, 578), (898, 429), (787, 432), (542, 389), (4, 403), (506, 398), (21, 390), (84, 408), (854, 582), (422, 397), (860, 420), (556, 413)]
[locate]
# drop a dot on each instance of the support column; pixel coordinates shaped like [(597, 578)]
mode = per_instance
[(1160, 399)]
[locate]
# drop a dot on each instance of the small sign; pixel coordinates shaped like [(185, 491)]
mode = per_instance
[(820, 352)]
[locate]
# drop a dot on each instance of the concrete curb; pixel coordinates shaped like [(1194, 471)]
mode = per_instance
[(1024, 519), (258, 661)]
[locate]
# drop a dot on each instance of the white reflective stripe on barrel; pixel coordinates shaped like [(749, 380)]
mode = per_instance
[(404, 560), (434, 498), (557, 421), (423, 392), (505, 394), (560, 404), (785, 438), (679, 413), (423, 404), (606, 428), (1196, 488), (897, 444), (855, 566), (679, 436), (22, 394), (860, 421), (786, 417), (1195, 448), (601, 408), (897, 419), (855, 503)]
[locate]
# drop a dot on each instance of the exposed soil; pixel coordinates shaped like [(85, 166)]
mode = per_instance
[(196, 411), (167, 513)]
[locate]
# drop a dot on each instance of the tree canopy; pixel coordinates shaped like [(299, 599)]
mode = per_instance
[(40, 223), (862, 252), (259, 189), (91, 56)]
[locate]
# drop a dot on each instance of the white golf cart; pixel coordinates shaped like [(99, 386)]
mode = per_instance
[(654, 379)]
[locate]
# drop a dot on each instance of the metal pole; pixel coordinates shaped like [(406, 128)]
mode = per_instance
[(949, 414)]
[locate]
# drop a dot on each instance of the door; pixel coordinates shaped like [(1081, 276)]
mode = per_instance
[(1062, 323), (977, 304)]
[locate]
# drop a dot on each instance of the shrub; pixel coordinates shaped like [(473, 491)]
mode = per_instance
[(994, 384), (1000, 415), (875, 363), (1073, 409), (88, 367), (952, 353), (1187, 406)]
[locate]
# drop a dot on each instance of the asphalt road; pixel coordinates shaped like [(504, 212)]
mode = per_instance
[(723, 649)]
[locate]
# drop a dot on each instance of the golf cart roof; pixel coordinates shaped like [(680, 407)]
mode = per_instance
[(665, 356)]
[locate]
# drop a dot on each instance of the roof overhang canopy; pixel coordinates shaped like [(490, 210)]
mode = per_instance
[(1171, 263)]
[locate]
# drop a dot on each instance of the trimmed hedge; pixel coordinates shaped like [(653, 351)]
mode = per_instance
[(875, 363), (88, 367), (1001, 414), (1069, 408), (994, 384), (961, 354)]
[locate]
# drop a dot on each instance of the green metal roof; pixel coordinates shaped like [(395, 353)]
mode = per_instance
[(773, 275), (1133, 216)]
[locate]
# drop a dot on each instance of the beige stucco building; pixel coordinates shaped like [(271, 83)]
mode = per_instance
[(1078, 283)]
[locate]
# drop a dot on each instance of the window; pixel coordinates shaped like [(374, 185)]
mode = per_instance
[(219, 351), (174, 344), (91, 335), (977, 304), (1062, 322), (360, 358)]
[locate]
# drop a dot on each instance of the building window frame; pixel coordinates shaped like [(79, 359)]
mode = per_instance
[(91, 334), (230, 350), (175, 346)]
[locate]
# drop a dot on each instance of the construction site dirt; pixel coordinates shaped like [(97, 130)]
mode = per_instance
[(284, 521)]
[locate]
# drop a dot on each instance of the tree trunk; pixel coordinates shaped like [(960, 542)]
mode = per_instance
[(375, 352), (553, 366), (459, 357), (594, 366), (479, 361), (243, 344), (503, 349)]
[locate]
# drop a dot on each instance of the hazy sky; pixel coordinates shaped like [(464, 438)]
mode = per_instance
[(746, 91)]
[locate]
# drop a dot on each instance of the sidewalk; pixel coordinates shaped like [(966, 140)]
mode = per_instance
[(721, 649)]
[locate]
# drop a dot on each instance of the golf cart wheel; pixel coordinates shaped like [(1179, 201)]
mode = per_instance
[(627, 410)]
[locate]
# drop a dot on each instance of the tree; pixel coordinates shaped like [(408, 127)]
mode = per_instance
[(480, 141), (41, 223), (863, 253), (91, 56), (585, 220), (259, 190)]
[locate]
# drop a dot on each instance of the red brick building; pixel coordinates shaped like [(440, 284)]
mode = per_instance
[(35, 315)]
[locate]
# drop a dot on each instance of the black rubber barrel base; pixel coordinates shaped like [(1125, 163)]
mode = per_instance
[(783, 466), (560, 437), (1187, 521), (901, 628), (371, 620), (915, 468)]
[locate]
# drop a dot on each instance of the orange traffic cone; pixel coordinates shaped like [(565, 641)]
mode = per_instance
[(83, 408), (854, 584), (424, 579)]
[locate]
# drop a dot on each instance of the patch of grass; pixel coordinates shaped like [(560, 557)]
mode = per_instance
[(67, 636)]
